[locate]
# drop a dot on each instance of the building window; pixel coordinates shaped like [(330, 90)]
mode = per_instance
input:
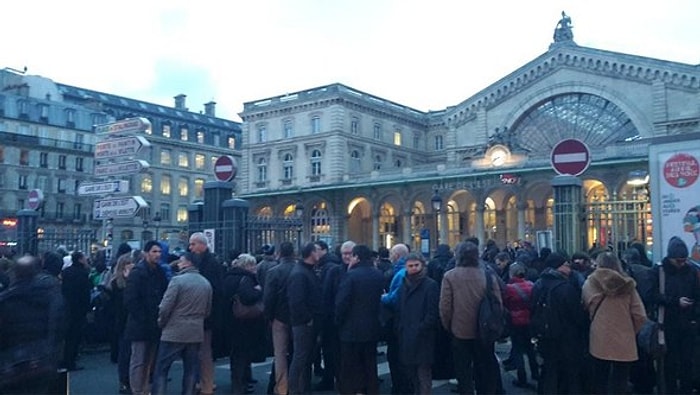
[(166, 130), (70, 117), (438, 143), (199, 188), (397, 137), (355, 126), (182, 214), (61, 185), (217, 140), (2, 154), (165, 212), (76, 185), (288, 166), (378, 131), (355, 164), (183, 159), (262, 134), (184, 133), (199, 161), (320, 222), (231, 142), (316, 163), (22, 182), (200, 137), (79, 163), (24, 157), (416, 141), (213, 161), (59, 210), (378, 162), (165, 181), (146, 184), (77, 208), (165, 158), (41, 183), (20, 204), (288, 129), (22, 108), (78, 142), (44, 159), (262, 170), (182, 186), (315, 125), (62, 162)]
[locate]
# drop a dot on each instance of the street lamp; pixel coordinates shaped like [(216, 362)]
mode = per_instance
[(299, 213), (436, 202), (156, 220), (145, 229)]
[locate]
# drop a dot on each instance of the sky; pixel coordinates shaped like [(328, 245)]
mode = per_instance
[(427, 55)]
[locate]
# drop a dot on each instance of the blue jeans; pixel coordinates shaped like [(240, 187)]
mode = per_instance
[(168, 352), (304, 338)]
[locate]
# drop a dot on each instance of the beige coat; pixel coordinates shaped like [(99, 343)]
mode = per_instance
[(460, 295), (619, 317)]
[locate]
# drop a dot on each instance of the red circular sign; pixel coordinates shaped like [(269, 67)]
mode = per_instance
[(570, 157), (681, 170), (225, 168), (35, 199)]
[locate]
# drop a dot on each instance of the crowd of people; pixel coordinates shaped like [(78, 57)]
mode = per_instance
[(571, 321)]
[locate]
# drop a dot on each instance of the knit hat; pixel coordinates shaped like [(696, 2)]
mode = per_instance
[(676, 248), (555, 259)]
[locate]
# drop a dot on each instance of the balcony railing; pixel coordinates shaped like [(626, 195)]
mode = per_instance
[(35, 141)]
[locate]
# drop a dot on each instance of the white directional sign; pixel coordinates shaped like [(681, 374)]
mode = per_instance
[(120, 169), (103, 188), (116, 148), (118, 207), (124, 126)]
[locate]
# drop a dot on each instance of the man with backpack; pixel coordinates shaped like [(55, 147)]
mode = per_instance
[(557, 322)]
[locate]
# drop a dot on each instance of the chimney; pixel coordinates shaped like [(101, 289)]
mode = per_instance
[(210, 108), (180, 102)]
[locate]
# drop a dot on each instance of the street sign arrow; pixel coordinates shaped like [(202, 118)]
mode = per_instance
[(103, 188), (129, 125), (118, 207), (121, 168), (127, 146)]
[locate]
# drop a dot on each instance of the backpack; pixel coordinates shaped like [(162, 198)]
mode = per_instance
[(491, 315), (545, 322)]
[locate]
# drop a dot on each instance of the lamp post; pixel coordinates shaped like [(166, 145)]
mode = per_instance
[(156, 220), (436, 202), (299, 213), (145, 230)]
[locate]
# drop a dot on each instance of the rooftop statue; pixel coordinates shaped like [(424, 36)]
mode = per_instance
[(563, 32)]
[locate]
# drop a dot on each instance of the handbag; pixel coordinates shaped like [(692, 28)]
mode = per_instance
[(246, 312), (651, 338)]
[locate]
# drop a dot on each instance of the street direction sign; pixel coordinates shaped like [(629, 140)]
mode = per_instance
[(103, 188), (115, 148), (570, 157), (121, 168), (225, 168), (121, 207), (129, 125)]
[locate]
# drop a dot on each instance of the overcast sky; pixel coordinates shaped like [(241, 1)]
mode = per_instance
[(427, 54)]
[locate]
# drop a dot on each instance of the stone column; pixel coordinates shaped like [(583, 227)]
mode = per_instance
[(375, 230), (479, 221), (521, 206), (406, 237)]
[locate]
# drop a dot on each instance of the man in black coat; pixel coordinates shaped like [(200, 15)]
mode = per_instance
[(145, 287), (304, 292), (76, 289)]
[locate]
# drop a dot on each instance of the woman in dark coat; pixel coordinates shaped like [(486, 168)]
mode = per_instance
[(116, 287), (417, 321), (247, 337), (443, 368)]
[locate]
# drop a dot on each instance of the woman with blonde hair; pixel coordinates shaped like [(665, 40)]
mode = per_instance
[(616, 313), (116, 287)]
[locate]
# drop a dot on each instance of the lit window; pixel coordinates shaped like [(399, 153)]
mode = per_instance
[(377, 131), (183, 159), (315, 125), (397, 138), (200, 137), (438, 143), (288, 166), (183, 186), (316, 163), (231, 142), (165, 184), (288, 129), (355, 126), (262, 134), (182, 214), (146, 184), (199, 188), (184, 133), (166, 130), (165, 158), (213, 161), (262, 170), (199, 161)]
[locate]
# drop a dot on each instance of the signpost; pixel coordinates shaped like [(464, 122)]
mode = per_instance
[(120, 147), (225, 168), (129, 125), (118, 207), (103, 187), (120, 168), (570, 157)]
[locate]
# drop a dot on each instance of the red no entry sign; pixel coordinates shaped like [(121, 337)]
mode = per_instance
[(570, 157), (225, 168), (35, 199)]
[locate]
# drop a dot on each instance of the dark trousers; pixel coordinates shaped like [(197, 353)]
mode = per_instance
[(400, 384), (169, 352), (358, 368), (74, 336), (330, 344), (611, 377), (123, 359), (678, 361), (473, 367), (522, 347), (560, 374), (421, 378), (240, 362), (304, 340)]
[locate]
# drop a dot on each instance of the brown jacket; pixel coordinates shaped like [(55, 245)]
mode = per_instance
[(460, 295), (620, 315)]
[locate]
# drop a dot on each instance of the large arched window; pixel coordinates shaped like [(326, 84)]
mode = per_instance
[(320, 222), (589, 118)]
